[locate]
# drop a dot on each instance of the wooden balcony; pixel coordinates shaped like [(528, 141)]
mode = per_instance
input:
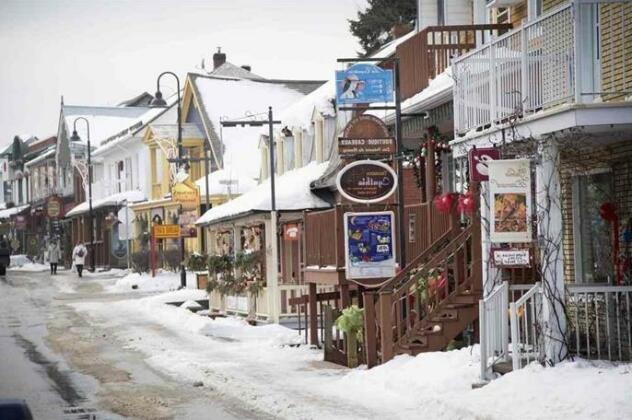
[(428, 53)]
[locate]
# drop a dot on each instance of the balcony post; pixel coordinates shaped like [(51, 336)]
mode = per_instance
[(492, 84), (576, 16), (525, 97)]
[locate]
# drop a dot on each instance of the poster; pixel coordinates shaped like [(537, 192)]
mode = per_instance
[(369, 245), (510, 200), (364, 84)]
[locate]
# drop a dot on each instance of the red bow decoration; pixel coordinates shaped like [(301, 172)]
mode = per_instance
[(466, 204), (443, 202)]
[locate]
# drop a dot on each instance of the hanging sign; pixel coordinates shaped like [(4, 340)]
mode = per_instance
[(363, 84), (479, 159), (510, 197), (366, 181), (20, 222), (366, 135), (369, 245), (186, 220), (54, 207), (511, 258), (166, 231), (186, 194)]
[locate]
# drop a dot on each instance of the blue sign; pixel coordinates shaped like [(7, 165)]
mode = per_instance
[(369, 245), (363, 84)]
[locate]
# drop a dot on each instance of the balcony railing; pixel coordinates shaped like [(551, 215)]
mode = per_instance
[(428, 53), (535, 67)]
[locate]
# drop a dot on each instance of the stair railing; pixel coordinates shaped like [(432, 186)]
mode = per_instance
[(494, 329), (526, 337), (402, 305)]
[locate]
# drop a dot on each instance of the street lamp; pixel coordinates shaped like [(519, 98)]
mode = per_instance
[(75, 137), (159, 102)]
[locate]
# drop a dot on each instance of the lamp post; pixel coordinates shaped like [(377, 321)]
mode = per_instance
[(273, 279), (159, 102), (75, 137)]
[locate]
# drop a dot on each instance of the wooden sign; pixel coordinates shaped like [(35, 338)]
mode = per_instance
[(479, 159), (376, 146), (54, 207), (187, 195), (366, 181), (365, 127), (166, 231)]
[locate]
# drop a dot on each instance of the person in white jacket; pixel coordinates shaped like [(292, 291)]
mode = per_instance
[(53, 256), (79, 254)]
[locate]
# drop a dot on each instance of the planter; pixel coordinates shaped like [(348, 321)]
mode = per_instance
[(202, 279)]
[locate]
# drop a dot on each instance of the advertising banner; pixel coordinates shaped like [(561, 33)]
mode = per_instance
[(364, 84), (510, 199), (369, 245)]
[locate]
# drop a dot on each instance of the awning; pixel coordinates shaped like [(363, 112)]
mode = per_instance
[(112, 200), (5, 214)]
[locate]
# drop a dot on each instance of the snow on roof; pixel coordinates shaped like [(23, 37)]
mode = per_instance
[(5, 214), (107, 122), (438, 91), (235, 99), (292, 193), (230, 70), (41, 157), (218, 183), (299, 114), (112, 200)]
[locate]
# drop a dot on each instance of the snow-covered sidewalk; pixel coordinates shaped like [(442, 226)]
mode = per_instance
[(258, 366)]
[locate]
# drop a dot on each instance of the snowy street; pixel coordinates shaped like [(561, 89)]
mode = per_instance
[(89, 345)]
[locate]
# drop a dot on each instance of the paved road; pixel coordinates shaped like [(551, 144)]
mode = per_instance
[(68, 369)]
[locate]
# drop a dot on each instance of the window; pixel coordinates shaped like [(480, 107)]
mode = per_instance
[(441, 12), (534, 9), (157, 166), (591, 233), (412, 227), (128, 174), (501, 15)]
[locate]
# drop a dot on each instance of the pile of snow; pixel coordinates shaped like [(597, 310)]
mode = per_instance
[(24, 263), (113, 272), (164, 280), (191, 305)]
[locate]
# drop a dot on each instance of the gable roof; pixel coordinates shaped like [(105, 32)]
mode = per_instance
[(230, 70), (236, 149)]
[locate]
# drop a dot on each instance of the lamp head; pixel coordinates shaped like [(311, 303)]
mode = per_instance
[(75, 136), (158, 101)]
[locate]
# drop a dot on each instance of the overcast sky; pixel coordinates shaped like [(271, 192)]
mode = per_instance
[(97, 52)]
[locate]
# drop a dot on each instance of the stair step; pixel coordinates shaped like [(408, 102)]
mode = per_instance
[(446, 315), (458, 305)]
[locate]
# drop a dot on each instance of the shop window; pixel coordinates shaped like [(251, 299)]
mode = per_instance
[(591, 233)]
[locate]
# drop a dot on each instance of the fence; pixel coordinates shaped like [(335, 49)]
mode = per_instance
[(599, 321), (494, 329), (526, 337)]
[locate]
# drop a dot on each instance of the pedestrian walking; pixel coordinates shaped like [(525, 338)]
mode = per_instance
[(54, 253), (79, 254)]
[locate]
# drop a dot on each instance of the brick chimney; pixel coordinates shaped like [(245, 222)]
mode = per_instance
[(219, 58)]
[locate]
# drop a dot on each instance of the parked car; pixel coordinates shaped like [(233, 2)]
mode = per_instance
[(11, 409)]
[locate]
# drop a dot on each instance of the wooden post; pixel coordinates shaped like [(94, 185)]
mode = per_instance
[(313, 316), (431, 181), (370, 336), (477, 263), (345, 298), (386, 325)]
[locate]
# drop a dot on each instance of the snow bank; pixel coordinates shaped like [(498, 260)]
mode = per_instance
[(23, 263), (145, 282)]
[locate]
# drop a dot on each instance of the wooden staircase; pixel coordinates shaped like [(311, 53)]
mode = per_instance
[(410, 314)]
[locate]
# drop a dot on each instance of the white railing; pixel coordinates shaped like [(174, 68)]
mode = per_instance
[(526, 337), (494, 325), (524, 71), (599, 321)]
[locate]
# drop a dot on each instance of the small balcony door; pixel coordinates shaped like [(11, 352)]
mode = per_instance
[(591, 233), (590, 50)]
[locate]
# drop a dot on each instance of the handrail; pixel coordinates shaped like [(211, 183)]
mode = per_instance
[(524, 328), (494, 329), (594, 288), (506, 35), (523, 299)]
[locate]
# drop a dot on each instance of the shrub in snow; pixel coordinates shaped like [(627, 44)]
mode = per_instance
[(170, 259), (197, 262), (140, 262), (351, 322)]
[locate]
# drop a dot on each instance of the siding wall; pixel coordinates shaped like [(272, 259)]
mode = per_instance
[(618, 157), (616, 62)]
